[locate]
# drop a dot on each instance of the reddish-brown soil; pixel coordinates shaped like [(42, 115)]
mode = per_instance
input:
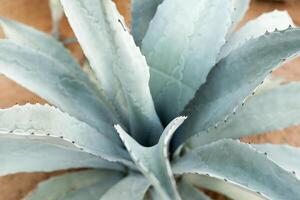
[(36, 13)]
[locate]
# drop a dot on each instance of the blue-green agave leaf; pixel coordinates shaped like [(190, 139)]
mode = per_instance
[(56, 16), (44, 43), (85, 184), (266, 22), (48, 121), (31, 154), (188, 192), (285, 156), (232, 191), (88, 21), (142, 12), (117, 62), (92, 192), (153, 161), (242, 165), (132, 187), (224, 91), (32, 38), (50, 80), (271, 110), (176, 48)]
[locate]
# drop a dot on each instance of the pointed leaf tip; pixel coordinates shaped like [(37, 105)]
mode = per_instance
[(153, 161)]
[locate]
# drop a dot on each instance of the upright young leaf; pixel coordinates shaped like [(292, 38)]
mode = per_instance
[(224, 91), (26, 154), (153, 161), (64, 186), (50, 122), (271, 110), (50, 80), (242, 165), (142, 12), (266, 22), (132, 187), (117, 62), (176, 48)]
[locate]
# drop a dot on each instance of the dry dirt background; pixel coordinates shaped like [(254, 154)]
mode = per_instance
[(36, 13)]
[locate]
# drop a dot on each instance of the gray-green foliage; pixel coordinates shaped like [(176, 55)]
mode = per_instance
[(121, 120)]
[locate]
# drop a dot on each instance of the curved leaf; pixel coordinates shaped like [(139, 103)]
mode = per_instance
[(50, 122), (232, 191), (285, 156), (188, 192), (224, 91), (153, 161), (77, 185), (175, 47), (27, 154), (50, 80), (266, 22), (142, 12), (271, 110), (132, 187), (117, 62), (242, 165), (92, 192)]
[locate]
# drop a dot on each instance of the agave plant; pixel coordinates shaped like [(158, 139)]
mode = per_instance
[(159, 126)]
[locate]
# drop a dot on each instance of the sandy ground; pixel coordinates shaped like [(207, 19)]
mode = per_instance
[(36, 13)]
